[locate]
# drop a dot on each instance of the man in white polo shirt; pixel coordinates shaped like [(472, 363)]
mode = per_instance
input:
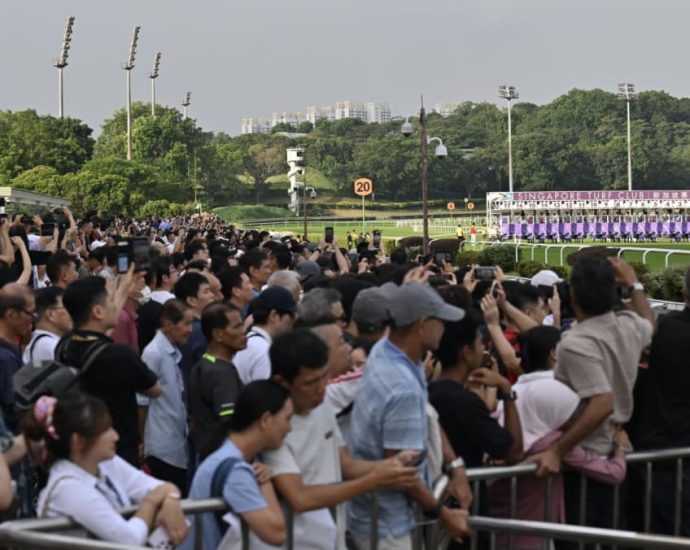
[(274, 313)]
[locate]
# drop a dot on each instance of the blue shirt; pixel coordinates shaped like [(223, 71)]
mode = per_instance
[(10, 363), (241, 492), (389, 413), (165, 435)]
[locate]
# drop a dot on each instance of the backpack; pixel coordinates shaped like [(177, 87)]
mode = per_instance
[(218, 481), (53, 378)]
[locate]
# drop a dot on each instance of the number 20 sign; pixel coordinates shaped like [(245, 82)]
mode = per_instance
[(364, 187)]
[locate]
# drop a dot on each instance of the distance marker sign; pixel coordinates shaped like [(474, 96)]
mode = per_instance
[(363, 187)]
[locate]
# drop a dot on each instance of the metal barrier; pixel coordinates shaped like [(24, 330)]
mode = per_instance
[(41, 533)]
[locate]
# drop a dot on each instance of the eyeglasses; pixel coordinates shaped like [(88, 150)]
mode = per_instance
[(31, 314)]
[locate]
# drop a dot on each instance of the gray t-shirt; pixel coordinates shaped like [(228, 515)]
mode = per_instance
[(601, 355)]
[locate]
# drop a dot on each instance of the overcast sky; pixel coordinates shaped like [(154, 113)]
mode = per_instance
[(252, 57)]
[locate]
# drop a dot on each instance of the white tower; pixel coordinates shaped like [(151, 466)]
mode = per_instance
[(295, 160)]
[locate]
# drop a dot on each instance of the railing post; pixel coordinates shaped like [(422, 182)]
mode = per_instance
[(374, 523), (648, 497), (678, 508)]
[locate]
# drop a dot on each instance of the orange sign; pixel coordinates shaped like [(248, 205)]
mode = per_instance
[(364, 187), (450, 206), (470, 206)]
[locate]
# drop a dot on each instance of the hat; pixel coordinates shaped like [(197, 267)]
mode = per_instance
[(275, 297), (545, 277), (410, 302), (370, 308), (306, 269)]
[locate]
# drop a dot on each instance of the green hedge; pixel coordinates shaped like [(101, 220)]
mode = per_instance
[(501, 255), (665, 285)]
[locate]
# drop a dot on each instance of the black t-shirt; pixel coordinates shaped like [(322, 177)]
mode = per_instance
[(662, 394), (214, 387), (115, 377), (467, 423), (149, 322)]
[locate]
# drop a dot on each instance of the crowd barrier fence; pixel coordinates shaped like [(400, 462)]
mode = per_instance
[(44, 533)]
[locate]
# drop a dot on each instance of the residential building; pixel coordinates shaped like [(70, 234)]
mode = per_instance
[(350, 109), (320, 113), (446, 108), (378, 112), (252, 125)]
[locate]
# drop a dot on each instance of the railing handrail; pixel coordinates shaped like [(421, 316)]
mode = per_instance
[(563, 531)]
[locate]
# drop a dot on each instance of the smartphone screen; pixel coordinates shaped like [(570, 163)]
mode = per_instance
[(328, 235), (140, 253)]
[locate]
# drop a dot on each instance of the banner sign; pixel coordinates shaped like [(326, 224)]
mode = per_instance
[(594, 195)]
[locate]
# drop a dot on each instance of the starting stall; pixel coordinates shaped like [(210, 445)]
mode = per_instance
[(567, 216)]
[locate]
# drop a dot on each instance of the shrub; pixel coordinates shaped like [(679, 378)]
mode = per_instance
[(466, 258), (529, 269), (501, 255), (640, 269), (406, 242)]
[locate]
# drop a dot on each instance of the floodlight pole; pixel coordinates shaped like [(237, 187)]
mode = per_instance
[(61, 62), (186, 100), (509, 93), (626, 92), (128, 66), (153, 75)]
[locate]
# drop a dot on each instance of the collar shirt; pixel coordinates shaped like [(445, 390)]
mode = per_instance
[(253, 362), (165, 432), (95, 501), (389, 413), (41, 347), (601, 355), (10, 363), (162, 296), (125, 331)]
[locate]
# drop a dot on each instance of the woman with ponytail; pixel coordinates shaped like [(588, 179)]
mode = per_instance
[(260, 421), (88, 483)]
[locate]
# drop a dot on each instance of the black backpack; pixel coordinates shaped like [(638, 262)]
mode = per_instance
[(53, 378)]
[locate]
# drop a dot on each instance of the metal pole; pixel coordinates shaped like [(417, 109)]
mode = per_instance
[(153, 97), (305, 204), (61, 97), (627, 103), (129, 115), (510, 149), (363, 222), (425, 182)]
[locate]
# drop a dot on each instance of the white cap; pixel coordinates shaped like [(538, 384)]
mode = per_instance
[(545, 277)]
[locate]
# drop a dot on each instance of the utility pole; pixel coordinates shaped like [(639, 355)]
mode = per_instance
[(61, 62), (153, 75), (128, 66)]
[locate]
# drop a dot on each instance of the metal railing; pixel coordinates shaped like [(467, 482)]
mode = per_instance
[(44, 533)]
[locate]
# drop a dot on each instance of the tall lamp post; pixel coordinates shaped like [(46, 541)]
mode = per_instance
[(128, 66), (626, 92), (509, 93), (441, 152), (186, 101), (61, 62), (153, 75)]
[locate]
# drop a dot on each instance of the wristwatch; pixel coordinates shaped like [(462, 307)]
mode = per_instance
[(507, 396), (457, 463), (637, 285)]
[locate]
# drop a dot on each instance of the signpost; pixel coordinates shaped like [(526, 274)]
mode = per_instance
[(363, 187)]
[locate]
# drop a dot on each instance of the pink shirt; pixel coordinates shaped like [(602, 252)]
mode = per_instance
[(125, 331)]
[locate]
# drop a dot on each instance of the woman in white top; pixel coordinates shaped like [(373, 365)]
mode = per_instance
[(89, 483)]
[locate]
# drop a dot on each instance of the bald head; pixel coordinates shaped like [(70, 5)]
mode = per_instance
[(17, 307)]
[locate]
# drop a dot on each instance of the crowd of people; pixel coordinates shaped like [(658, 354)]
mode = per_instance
[(303, 380)]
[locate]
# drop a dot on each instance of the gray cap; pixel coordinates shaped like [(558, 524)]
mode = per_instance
[(370, 308), (306, 269), (408, 303)]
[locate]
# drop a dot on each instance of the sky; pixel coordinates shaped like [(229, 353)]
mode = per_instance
[(254, 57)]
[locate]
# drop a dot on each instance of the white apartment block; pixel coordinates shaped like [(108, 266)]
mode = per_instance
[(293, 119), (253, 125), (368, 112), (320, 113), (350, 109), (378, 112), (446, 108)]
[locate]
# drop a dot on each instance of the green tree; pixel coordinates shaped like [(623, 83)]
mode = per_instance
[(262, 162)]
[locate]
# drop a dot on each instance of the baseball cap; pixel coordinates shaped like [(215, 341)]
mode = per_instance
[(545, 277), (410, 302), (370, 308), (275, 297), (306, 269)]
